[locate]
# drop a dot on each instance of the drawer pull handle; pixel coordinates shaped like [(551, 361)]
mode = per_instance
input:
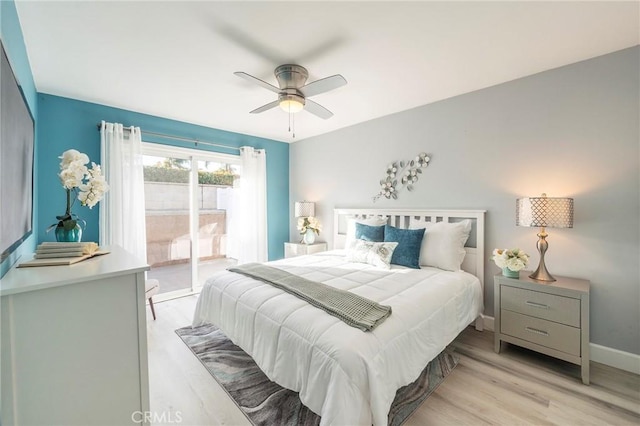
[(536, 331), (536, 305)]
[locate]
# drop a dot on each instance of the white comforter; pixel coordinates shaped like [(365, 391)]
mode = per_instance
[(347, 376)]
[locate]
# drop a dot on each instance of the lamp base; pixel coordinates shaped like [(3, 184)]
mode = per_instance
[(541, 274)]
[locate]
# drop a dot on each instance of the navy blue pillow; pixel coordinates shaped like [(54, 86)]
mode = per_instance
[(409, 241), (369, 233)]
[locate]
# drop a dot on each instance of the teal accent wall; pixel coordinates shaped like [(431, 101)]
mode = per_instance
[(13, 42), (67, 123)]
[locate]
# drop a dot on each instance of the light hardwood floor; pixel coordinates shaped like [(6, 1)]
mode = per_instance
[(517, 387)]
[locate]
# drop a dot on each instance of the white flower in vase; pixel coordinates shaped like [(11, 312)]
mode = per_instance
[(88, 184)]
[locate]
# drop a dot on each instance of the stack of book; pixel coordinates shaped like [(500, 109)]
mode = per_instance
[(56, 250), (51, 254)]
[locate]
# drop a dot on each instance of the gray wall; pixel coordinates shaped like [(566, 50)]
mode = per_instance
[(571, 131)]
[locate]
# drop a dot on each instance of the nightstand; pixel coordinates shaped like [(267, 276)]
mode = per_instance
[(550, 318), (300, 249)]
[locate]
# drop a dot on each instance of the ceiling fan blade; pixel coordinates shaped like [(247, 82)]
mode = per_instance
[(323, 85), (322, 49), (317, 109), (257, 81), (265, 107), (247, 41)]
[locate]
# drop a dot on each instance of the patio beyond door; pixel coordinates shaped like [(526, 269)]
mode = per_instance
[(189, 202)]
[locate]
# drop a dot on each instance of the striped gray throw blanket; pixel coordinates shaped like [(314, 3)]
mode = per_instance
[(352, 309)]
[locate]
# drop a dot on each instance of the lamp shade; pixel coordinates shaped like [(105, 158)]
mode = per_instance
[(545, 212), (305, 209)]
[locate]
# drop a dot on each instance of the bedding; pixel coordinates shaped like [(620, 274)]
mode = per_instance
[(345, 375), (351, 227), (376, 254), (409, 242), (369, 233), (443, 243), (352, 309)]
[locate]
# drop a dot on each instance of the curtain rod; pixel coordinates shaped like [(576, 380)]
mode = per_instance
[(178, 138)]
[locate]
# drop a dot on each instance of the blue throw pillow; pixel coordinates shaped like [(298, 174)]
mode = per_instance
[(409, 242), (369, 233)]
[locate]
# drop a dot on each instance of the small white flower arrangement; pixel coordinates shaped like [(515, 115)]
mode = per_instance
[(309, 223), (513, 259), (87, 183)]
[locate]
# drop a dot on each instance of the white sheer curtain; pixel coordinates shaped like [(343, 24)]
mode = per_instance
[(252, 206), (122, 215)]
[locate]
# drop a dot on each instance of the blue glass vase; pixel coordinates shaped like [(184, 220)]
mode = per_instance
[(73, 235)]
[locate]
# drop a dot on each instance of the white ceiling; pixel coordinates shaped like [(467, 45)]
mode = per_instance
[(176, 59)]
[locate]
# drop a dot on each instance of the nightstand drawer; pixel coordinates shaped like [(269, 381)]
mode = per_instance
[(546, 333), (563, 310)]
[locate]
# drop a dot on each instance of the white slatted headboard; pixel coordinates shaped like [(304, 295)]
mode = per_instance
[(474, 259)]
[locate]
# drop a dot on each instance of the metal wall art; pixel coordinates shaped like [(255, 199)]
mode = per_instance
[(400, 175)]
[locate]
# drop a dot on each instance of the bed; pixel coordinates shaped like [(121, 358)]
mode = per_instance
[(345, 375)]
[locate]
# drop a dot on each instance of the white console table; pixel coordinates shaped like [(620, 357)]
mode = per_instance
[(74, 343)]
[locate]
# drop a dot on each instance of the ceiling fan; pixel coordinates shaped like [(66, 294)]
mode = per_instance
[(293, 93)]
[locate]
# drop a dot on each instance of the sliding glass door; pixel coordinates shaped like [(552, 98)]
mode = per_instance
[(189, 200), (215, 213)]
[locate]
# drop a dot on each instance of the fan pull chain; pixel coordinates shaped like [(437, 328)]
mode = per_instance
[(292, 123)]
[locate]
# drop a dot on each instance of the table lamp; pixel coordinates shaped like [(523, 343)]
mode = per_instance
[(305, 209), (545, 212)]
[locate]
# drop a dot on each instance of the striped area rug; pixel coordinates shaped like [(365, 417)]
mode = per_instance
[(266, 403)]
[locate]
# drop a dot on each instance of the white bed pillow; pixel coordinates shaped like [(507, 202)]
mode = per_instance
[(443, 243), (376, 254), (351, 227)]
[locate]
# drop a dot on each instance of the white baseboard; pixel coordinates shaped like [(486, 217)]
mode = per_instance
[(615, 358), (488, 323), (604, 355)]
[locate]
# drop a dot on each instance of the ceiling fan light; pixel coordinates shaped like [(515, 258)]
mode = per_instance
[(291, 105)]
